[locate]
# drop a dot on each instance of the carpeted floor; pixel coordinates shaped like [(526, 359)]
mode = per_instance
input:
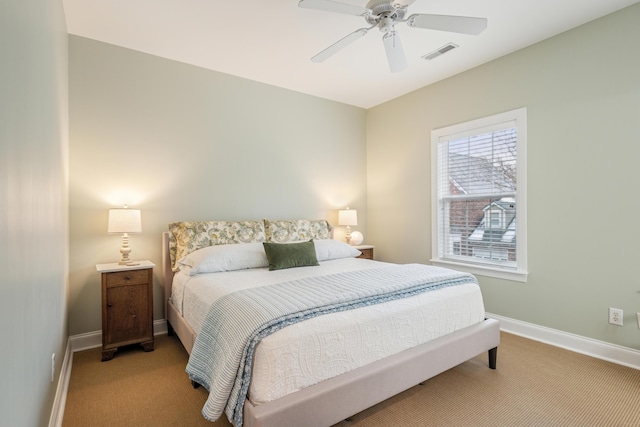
[(535, 385)]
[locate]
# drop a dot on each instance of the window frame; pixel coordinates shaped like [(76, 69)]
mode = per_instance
[(476, 127)]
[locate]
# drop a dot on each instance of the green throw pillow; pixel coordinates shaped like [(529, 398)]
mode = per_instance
[(289, 255)]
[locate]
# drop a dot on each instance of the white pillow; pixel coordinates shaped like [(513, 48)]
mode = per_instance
[(327, 249), (218, 258)]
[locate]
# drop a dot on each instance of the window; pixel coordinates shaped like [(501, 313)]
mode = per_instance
[(479, 196)]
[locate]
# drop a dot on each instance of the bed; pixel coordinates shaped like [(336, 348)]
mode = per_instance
[(321, 392)]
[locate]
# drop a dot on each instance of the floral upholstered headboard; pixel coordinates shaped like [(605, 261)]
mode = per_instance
[(187, 237), (284, 231)]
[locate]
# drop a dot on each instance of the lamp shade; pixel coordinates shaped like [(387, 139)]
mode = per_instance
[(347, 217), (124, 221)]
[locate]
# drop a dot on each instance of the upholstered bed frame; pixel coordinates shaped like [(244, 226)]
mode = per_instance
[(335, 399)]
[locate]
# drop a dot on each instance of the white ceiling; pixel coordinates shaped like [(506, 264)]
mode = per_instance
[(271, 41)]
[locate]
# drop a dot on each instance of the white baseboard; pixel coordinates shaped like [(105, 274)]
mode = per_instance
[(57, 413), (599, 349)]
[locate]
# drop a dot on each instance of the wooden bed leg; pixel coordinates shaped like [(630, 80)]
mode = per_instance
[(493, 357)]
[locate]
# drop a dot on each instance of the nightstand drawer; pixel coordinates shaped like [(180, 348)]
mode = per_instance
[(123, 278)]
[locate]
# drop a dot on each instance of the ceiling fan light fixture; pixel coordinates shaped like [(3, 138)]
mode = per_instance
[(386, 24)]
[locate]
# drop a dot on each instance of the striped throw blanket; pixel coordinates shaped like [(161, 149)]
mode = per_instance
[(222, 355)]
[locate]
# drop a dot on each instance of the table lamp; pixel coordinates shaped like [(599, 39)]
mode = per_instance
[(125, 221), (348, 217)]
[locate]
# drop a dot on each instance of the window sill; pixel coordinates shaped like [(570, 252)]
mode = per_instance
[(516, 276)]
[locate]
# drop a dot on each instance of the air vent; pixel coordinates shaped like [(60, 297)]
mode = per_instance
[(441, 51)]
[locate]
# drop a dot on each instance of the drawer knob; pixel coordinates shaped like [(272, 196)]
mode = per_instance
[(127, 277)]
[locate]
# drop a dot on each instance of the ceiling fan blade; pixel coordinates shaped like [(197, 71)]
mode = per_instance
[(340, 44), (334, 6), (395, 53), (454, 24)]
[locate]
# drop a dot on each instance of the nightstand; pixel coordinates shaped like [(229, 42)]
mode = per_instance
[(127, 306), (367, 251)]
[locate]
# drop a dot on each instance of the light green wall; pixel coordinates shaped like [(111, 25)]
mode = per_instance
[(183, 143), (582, 92), (33, 207), (180, 143)]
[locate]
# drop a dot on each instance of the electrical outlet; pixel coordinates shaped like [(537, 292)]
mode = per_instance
[(615, 316), (53, 365), (638, 316)]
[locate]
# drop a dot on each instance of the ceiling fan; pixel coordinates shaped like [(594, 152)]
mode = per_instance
[(385, 14)]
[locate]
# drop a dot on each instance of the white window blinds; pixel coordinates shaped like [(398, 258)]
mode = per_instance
[(476, 203)]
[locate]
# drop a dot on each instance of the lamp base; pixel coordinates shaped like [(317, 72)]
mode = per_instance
[(125, 259), (348, 235), (125, 250)]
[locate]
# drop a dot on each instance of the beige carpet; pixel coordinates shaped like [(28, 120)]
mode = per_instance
[(535, 385)]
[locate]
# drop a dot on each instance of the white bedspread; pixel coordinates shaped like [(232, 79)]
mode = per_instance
[(323, 347)]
